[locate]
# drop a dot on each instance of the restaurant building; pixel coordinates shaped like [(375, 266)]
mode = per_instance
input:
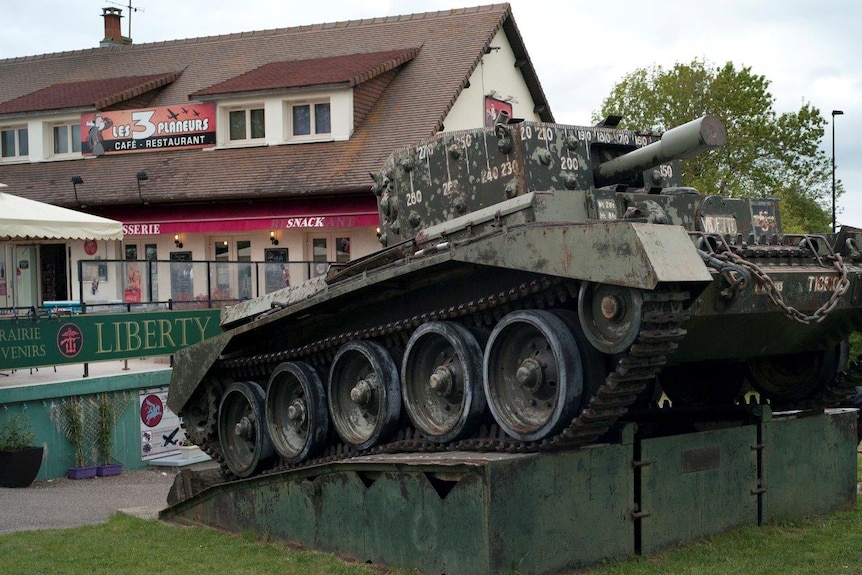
[(240, 163)]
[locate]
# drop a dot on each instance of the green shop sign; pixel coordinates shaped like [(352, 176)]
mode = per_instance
[(87, 338)]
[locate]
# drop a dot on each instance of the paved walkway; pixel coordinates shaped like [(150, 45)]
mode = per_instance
[(75, 371), (62, 503)]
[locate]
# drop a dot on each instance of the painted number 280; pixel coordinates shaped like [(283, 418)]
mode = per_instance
[(414, 198)]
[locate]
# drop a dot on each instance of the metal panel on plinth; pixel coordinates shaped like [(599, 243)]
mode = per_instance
[(695, 485), (560, 510), (427, 520), (809, 464)]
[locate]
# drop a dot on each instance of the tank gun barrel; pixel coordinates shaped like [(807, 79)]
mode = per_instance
[(684, 141)]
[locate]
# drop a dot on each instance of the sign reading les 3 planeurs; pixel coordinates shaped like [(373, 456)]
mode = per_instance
[(86, 338), (148, 129)]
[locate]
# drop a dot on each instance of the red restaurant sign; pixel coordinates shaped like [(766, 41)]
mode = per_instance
[(148, 129), (348, 212), (233, 225)]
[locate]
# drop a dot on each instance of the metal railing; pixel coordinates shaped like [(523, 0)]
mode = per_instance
[(143, 285)]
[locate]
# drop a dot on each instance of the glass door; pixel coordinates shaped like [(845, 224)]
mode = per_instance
[(52, 272), (326, 249), (132, 287), (221, 280), (26, 277), (232, 278), (151, 254), (243, 272)]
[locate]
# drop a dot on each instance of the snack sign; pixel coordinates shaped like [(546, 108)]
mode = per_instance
[(148, 129)]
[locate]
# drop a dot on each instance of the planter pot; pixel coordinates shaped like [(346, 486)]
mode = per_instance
[(82, 472), (19, 467), (109, 470)]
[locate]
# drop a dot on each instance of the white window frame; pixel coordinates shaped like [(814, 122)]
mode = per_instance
[(334, 254), (18, 156), (248, 140), (313, 135), (71, 142)]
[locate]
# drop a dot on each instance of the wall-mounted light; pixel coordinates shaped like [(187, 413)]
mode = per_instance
[(272, 239), (224, 243), (177, 241), (76, 180), (141, 177)]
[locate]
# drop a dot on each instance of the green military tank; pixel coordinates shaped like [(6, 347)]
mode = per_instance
[(536, 284)]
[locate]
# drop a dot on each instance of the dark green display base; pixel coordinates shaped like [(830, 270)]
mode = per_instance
[(465, 513)]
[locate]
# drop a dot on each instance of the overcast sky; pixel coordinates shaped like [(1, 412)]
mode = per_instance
[(810, 51)]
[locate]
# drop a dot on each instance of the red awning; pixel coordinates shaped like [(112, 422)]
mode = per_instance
[(349, 212)]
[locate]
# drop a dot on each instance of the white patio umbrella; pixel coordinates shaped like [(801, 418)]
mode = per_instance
[(21, 218)]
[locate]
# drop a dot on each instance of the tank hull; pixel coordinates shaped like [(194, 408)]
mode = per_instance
[(522, 308)]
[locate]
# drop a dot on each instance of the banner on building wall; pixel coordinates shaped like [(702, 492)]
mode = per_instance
[(148, 129), (98, 337), (493, 106)]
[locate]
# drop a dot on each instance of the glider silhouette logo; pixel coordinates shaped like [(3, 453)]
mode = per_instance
[(152, 410), (70, 340)]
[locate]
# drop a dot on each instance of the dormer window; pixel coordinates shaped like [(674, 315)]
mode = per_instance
[(310, 119), (247, 124), (67, 139), (14, 143)]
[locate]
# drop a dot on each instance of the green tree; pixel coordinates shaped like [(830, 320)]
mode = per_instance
[(767, 154)]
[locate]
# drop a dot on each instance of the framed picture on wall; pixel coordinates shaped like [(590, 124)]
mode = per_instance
[(277, 271), (182, 276), (94, 270)]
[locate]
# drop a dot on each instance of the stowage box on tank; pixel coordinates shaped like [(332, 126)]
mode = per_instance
[(536, 283)]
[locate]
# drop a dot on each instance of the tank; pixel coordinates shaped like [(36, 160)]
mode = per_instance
[(536, 283)]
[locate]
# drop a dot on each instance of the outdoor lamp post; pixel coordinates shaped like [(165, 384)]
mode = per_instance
[(834, 113)]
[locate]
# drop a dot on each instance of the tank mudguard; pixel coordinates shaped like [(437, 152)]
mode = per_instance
[(632, 254), (191, 365)]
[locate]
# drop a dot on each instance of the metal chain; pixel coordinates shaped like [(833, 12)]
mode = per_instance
[(775, 295)]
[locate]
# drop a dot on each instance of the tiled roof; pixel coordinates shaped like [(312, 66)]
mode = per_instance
[(98, 94), (352, 69), (412, 106)]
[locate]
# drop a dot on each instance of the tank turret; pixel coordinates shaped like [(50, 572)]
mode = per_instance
[(458, 173)]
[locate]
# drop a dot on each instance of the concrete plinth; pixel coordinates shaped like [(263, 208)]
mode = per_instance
[(465, 513)]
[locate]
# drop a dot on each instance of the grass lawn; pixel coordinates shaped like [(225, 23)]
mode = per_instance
[(826, 545), (131, 546)]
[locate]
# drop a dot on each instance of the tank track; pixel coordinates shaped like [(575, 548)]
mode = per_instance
[(663, 312)]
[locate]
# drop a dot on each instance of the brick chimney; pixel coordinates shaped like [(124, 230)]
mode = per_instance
[(113, 34)]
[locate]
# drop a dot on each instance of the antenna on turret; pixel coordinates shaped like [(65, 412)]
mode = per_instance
[(131, 9)]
